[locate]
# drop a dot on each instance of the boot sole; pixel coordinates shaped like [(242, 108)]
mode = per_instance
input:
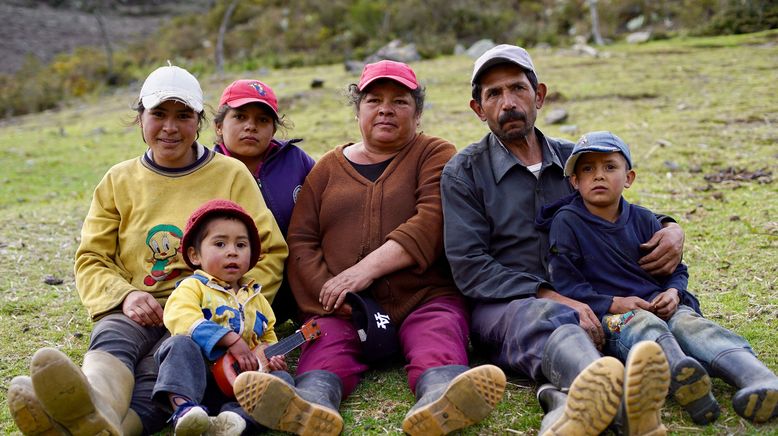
[(593, 400), (226, 424), (276, 405), (65, 393), (27, 412), (757, 404), (646, 383), (468, 399), (691, 388)]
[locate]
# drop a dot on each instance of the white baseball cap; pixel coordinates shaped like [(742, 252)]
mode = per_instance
[(171, 83)]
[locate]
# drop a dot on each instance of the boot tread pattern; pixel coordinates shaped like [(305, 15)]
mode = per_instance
[(27, 412), (690, 385), (593, 400), (646, 384), (759, 404), (276, 405), (469, 398)]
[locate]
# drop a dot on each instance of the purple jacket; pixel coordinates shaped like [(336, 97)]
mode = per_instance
[(281, 177)]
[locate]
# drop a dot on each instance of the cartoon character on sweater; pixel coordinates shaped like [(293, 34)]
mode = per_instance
[(164, 241)]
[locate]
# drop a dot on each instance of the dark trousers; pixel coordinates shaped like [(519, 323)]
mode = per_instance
[(514, 333)]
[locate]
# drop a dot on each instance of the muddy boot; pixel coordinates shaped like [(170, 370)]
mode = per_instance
[(131, 424), (553, 401), (27, 412), (690, 384), (594, 384), (87, 401), (452, 397), (757, 397), (646, 383), (310, 408)]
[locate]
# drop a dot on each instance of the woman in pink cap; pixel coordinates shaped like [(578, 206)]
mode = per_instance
[(368, 222), (129, 261), (246, 121)]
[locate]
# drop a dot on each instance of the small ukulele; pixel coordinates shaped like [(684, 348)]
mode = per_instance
[(226, 369)]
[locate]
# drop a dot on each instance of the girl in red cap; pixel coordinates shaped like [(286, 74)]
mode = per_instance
[(246, 121)]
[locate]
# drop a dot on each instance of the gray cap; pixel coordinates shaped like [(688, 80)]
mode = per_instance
[(501, 54), (598, 142)]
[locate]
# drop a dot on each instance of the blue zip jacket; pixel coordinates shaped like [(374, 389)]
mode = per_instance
[(281, 177)]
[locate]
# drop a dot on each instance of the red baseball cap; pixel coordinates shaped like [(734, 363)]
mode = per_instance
[(386, 69), (222, 208), (241, 92)]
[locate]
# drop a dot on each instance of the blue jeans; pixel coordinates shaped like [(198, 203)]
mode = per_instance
[(183, 370), (134, 345), (698, 337)]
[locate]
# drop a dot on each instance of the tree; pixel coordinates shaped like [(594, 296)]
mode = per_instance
[(220, 39), (595, 23)]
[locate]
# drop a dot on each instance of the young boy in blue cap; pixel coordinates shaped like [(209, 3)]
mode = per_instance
[(593, 258)]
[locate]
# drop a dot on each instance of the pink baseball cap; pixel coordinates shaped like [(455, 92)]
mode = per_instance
[(241, 92), (387, 69)]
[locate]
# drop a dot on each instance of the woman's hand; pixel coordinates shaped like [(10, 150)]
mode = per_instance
[(246, 359), (666, 303), (666, 249), (277, 363), (353, 279), (142, 308), (625, 304)]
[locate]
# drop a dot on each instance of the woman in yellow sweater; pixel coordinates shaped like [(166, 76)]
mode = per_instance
[(128, 263)]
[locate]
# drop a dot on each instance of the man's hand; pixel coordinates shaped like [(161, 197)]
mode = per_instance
[(586, 316), (666, 249), (666, 303), (625, 304), (142, 308)]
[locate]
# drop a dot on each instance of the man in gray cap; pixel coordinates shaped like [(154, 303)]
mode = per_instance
[(492, 191)]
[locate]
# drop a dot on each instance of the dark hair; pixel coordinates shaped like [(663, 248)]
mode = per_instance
[(355, 96), (200, 235), (476, 92), (201, 118), (281, 123)]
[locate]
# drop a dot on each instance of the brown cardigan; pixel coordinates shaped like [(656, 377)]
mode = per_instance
[(340, 217)]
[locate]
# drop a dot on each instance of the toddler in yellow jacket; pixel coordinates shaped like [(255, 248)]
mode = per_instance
[(216, 311)]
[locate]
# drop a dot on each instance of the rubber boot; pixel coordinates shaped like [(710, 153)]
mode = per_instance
[(27, 412), (757, 395), (131, 424), (690, 384), (87, 401), (646, 383), (451, 397), (594, 383), (552, 400), (310, 408)]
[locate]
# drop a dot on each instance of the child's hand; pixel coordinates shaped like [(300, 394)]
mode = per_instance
[(625, 304), (277, 363), (246, 359), (666, 303)]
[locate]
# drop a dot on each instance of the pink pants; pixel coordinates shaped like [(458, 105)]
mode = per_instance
[(434, 334)]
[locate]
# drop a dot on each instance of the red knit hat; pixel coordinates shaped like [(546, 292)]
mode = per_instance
[(219, 208)]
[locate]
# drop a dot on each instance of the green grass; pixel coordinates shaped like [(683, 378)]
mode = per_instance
[(700, 105)]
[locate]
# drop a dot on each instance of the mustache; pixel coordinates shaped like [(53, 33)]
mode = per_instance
[(512, 115)]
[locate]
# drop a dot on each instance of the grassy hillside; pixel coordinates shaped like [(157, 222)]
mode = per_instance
[(701, 116)]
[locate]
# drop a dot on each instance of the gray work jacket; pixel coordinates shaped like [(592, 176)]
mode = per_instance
[(489, 205)]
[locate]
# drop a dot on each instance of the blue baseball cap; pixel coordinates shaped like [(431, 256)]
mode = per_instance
[(597, 142)]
